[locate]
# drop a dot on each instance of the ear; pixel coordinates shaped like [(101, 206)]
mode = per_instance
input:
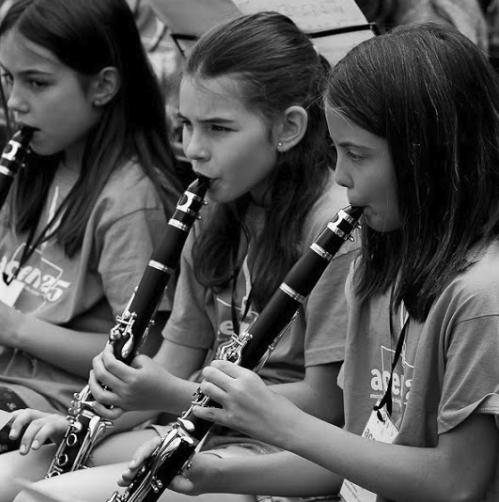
[(105, 85), (292, 128)]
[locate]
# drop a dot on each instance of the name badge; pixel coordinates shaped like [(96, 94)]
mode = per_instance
[(11, 292), (379, 428)]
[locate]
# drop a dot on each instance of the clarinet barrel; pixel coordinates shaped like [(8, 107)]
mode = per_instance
[(85, 426), (250, 349), (133, 324), (12, 159)]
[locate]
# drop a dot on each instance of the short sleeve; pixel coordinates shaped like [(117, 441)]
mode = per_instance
[(326, 315), (470, 351), (189, 323), (127, 247), (126, 225), (471, 381), (325, 312)]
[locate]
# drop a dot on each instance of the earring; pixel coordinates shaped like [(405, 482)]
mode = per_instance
[(279, 145), (97, 102)]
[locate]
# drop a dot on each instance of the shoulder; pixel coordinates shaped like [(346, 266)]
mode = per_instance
[(483, 273), (332, 199), (129, 198), (129, 189), (475, 292)]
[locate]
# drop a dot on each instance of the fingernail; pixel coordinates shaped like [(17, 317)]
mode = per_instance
[(12, 434), (22, 449), (36, 444)]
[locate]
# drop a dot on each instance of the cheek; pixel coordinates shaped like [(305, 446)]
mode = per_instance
[(392, 213), (184, 138)]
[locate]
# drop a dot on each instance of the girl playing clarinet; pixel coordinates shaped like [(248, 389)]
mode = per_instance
[(414, 118), (83, 217), (253, 122)]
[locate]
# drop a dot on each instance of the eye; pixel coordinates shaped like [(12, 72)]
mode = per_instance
[(36, 84), (354, 157), (219, 128), (7, 79)]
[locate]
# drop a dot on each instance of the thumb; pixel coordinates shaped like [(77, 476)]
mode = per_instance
[(180, 484), (140, 361)]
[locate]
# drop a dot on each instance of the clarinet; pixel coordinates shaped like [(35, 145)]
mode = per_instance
[(13, 157), (85, 426), (179, 445)]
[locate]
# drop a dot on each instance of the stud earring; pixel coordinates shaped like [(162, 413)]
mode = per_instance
[(279, 145)]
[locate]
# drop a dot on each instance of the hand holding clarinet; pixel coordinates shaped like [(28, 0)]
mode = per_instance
[(248, 405), (249, 349)]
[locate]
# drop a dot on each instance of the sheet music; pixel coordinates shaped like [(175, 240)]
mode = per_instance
[(334, 47), (193, 17), (310, 15)]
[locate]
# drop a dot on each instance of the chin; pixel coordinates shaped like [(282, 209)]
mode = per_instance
[(380, 225), (39, 149), (214, 197), (219, 196), (43, 152)]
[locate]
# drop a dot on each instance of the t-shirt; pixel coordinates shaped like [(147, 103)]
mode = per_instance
[(86, 292), (448, 366), (202, 318)]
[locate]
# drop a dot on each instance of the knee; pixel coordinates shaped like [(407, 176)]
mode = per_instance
[(9, 489)]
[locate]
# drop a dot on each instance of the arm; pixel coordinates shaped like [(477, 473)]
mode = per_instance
[(50, 342), (459, 468), (396, 472), (317, 394), (283, 474)]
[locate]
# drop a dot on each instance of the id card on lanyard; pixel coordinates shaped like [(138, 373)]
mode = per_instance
[(9, 293), (380, 426)]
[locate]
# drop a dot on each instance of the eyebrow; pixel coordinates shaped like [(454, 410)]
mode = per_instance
[(354, 145), (28, 72), (211, 120)]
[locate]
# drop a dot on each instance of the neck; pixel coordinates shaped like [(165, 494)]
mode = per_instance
[(73, 156)]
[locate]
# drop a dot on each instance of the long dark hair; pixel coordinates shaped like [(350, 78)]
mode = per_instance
[(88, 36), (276, 66), (431, 93)]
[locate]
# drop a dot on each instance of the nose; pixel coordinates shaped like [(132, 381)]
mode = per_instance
[(195, 146), (16, 102), (341, 175)]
